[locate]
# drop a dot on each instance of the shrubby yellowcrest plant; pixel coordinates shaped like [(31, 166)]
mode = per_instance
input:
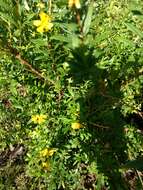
[(87, 63)]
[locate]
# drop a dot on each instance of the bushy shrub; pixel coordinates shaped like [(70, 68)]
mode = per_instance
[(70, 76)]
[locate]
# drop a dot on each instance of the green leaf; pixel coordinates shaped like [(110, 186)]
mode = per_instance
[(88, 19), (136, 164), (61, 38), (134, 29), (140, 17), (39, 42), (75, 41)]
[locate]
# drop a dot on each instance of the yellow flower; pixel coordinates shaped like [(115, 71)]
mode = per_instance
[(48, 152), (44, 24), (44, 152), (40, 5), (76, 125), (46, 165), (51, 151), (74, 3), (38, 119)]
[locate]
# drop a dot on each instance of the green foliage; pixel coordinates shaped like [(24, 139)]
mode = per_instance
[(87, 70)]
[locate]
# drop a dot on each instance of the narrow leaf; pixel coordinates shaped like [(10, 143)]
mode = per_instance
[(88, 19), (134, 29)]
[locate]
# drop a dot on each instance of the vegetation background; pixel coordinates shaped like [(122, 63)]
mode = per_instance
[(71, 75)]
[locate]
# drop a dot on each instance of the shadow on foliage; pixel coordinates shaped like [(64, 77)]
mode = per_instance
[(100, 113)]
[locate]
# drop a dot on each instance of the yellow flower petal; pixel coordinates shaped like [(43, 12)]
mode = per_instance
[(48, 152), (48, 26), (43, 16), (76, 125), (34, 118), (44, 152), (46, 165), (41, 118), (37, 23), (38, 119), (75, 3), (40, 29), (52, 151), (40, 5), (44, 24), (70, 3)]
